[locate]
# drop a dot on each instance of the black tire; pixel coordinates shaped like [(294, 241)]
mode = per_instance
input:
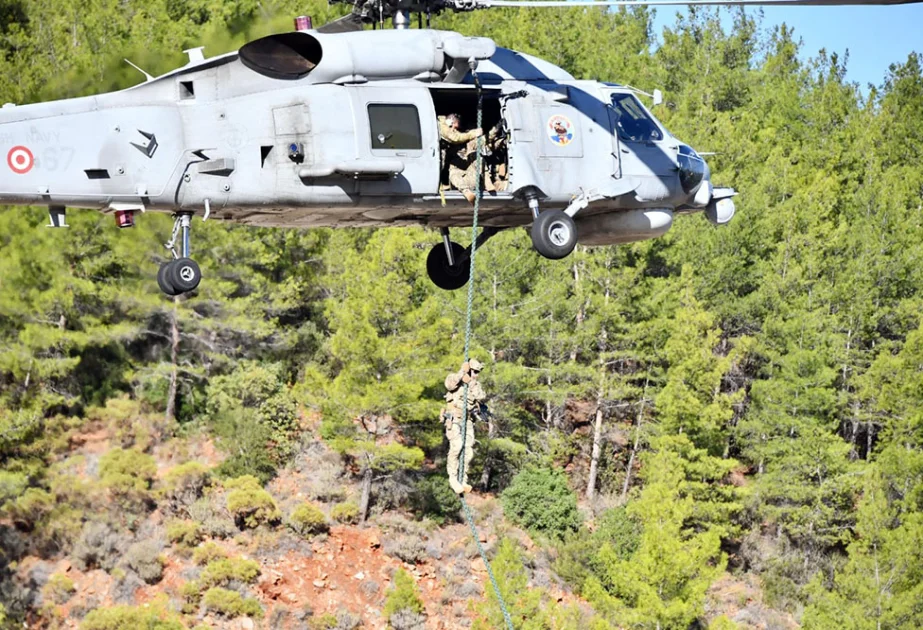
[(554, 234), (184, 275), (444, 275), (163, 279)]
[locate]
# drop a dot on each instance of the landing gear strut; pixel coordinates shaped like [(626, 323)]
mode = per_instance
[(182, 274), (449, 264)]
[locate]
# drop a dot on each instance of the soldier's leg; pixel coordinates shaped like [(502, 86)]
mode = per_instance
[(455, 446), (469, 451)]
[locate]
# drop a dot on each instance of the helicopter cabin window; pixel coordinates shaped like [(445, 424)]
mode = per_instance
[(395, 127), (634, 124)]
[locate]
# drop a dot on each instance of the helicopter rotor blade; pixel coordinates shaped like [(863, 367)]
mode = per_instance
[(630, 3), (346, 24)]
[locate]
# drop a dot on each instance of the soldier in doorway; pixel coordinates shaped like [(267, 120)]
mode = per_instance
[(458, 155), (453, 416)]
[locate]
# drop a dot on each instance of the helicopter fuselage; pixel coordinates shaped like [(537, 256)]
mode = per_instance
[(354, 141)]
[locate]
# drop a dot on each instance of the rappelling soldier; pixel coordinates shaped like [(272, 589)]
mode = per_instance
[(453, 417)]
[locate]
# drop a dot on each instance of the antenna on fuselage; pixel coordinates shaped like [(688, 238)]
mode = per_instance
[(147, 77)]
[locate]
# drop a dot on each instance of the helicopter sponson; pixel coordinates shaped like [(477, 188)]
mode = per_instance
[(311, 129)]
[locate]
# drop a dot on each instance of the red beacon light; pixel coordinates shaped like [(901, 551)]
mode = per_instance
[(125, 218), (303, 23)]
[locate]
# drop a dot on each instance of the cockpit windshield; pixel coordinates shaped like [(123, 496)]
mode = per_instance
[(633, 123)]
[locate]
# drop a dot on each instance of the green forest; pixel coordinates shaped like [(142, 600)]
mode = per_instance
[(743, 400)]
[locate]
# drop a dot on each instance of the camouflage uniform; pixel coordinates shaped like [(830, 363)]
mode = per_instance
[(453, 418), (461, 160)]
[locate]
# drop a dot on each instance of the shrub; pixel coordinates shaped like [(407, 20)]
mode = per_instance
[(144, 559), (579, 556), (249, 504), (252, 406), (407, 620), (407, 548), (130, 467), (191, 592), (540, 500), (224, 570), (29, 509), (403, 595), (12, 485), (98, 547), (58, 589), (212, 516), (434, 498), (307, 519), (230, 603), (208, 552), (184, 534), (128, 422), (184, 484), (346, 512), (152, 616), (128, 475)]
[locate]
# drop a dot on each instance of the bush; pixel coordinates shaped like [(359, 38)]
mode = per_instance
[(184, 534), (346, 512), (184, 484), (230, 603), (403, 595), (144, 559), (252, 406), (152, 616), (207, 553), (129, 467), (212, 516), (307, 519), (128, 475), (30, 509), (247, 443), (579, 557), (434, 498), (407, 620), (99, 547), (540, 500), (58, 589), (191, 592), (224, 570), (249, 504)]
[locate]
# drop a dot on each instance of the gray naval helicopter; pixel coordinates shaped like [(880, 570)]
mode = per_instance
[(337, 127)]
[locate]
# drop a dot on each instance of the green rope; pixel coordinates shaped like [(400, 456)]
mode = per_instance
[(464, 427)]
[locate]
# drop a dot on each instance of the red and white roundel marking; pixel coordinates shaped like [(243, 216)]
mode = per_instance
[(20, 160)]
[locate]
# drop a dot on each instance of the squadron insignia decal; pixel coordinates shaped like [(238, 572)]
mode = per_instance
[(20, 160), (560, 130)]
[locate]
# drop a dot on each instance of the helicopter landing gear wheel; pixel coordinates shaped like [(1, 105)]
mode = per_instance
[(554, 234), (163, 279), (444, 275), (184, 275)]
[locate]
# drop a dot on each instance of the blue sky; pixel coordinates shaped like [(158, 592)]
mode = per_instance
[(875, 36)]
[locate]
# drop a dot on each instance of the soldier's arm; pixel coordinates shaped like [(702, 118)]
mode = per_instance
[(454, 136)]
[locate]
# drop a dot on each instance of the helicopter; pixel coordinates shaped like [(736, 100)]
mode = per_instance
[(339, 127)]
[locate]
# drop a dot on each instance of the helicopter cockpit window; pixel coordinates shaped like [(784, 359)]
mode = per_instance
[(633, 122), (395, 127)]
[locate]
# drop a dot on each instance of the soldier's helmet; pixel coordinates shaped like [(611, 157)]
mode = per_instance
[(452, 381), (475, 365)]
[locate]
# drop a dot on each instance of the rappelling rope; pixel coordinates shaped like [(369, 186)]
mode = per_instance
[(464, 426)]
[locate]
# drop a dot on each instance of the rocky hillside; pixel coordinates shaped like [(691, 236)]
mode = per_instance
[(155, 537)]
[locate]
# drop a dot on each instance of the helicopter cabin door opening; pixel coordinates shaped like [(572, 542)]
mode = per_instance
[(463, 102)]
